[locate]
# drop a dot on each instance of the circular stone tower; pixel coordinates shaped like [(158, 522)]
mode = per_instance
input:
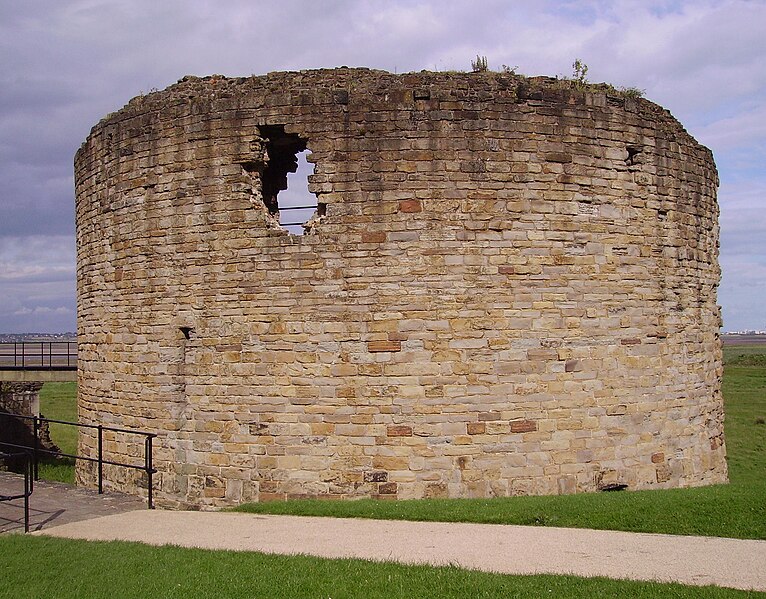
[(507, 286)]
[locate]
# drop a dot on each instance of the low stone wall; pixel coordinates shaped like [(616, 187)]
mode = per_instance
[(508, 287), (21, 399)]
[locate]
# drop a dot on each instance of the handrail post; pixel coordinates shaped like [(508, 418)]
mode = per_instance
[(36, 446), (27, 490), (100, 458), (149, 469)]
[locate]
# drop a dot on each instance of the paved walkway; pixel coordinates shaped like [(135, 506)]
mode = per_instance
[(52, 504), (508, 549)]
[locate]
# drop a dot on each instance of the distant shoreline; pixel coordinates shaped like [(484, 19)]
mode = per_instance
[(729, 339)]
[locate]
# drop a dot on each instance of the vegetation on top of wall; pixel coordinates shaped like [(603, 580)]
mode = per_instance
[(578, 80), (480, 64), (579, 72)]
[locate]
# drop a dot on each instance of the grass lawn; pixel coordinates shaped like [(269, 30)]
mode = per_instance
[(59, 402), (80, 569), (735, 510)]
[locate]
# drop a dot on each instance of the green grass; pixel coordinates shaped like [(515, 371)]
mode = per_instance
[(733, 353), (59, 402), (749, 360), (744, 391), (79, 569), (735, 510)]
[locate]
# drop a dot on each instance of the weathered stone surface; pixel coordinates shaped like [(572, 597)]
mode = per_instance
[(20, 398), (508, 288), (19, 401)]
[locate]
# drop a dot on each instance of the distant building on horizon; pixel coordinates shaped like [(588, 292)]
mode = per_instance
[(19, 337)]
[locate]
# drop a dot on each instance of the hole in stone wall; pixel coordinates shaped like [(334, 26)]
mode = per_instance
[(613, 487), (296, 203), (633, 155), (292, 203)]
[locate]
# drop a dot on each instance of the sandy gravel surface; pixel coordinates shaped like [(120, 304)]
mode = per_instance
[(508, 549)]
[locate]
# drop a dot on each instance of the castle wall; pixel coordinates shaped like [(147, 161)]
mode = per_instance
[(510, 288)]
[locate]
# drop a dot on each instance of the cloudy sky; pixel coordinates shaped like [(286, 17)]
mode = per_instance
[(64, 64)]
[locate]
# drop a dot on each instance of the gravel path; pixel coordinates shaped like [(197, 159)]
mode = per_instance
[(731, 563)]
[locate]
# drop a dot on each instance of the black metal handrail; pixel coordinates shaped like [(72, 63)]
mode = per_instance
[(38, 355), (28, 485), (312, 207), (288, 208), (147, 466)]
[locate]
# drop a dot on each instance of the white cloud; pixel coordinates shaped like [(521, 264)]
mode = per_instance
[(37, 277), (31, 254), (44, 311), (743, 217), (744, 129), (741, 294), (743, 254)]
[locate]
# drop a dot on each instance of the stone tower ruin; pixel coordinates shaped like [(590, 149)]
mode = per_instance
[(507, 286)]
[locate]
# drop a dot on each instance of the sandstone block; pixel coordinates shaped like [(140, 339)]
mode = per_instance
[(399, 430), (523, 426), (384, 346)]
